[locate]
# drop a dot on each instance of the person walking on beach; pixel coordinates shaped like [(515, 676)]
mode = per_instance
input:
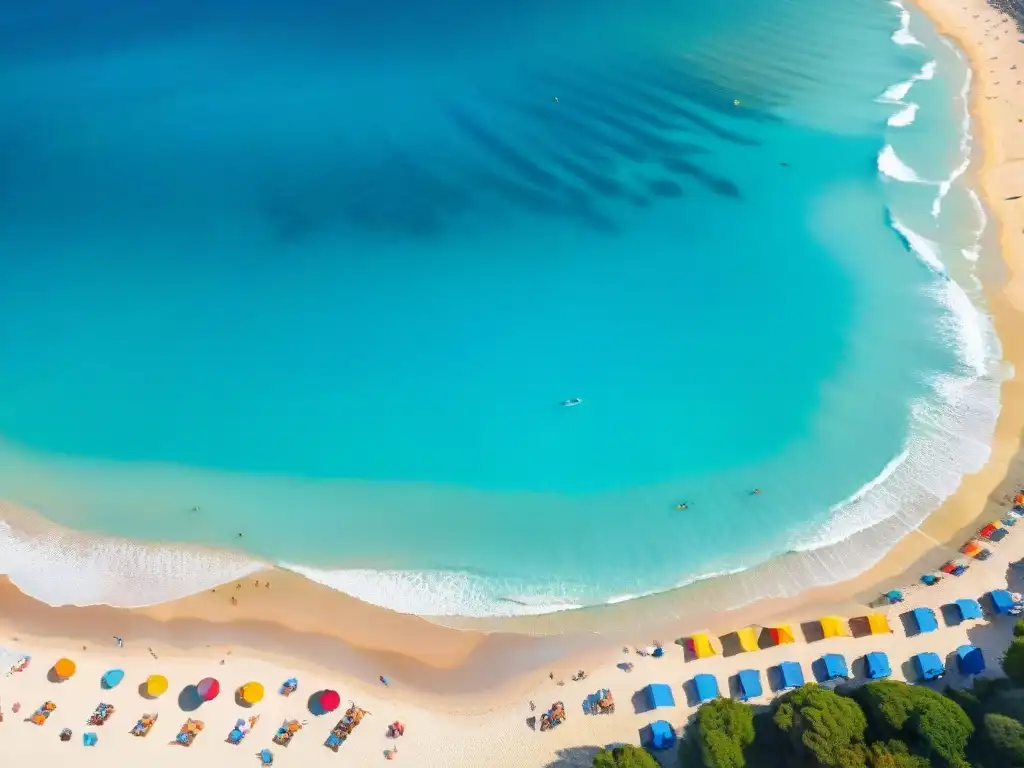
[(119, 641)]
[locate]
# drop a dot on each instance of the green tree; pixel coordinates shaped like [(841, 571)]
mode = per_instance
[(932, 725), (824, 728), (1018, 628), (1004, 740), (894, 754), (626, 756), (724, 729), (1006, 702), (1013, 661)]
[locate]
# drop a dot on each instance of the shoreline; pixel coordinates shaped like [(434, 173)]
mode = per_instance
[(453, 656)]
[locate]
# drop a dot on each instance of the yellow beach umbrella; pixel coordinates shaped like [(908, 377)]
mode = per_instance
[(878, 624), (833, 626), (155, 685), (251, 692), (747, 638), (702, 645), (64, 668)]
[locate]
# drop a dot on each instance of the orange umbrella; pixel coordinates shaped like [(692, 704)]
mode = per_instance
[(64, 668)]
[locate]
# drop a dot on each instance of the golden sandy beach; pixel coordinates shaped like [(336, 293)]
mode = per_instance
[(463, 693)]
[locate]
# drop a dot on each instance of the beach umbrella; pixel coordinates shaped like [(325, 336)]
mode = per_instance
[(329, 701), (64, 668), (208, 688), (112, 678), (155, 685), (251, 692)]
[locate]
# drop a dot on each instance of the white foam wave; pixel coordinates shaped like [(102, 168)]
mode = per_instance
[(973, 253), (926, 250), (904, 117), (889, 164), (902, 36), (895, 94), (62, 567), (966, 143)]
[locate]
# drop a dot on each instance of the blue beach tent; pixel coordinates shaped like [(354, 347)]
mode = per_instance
[(749, 684), (925, 619), (660, 695), (969, 609), (89, 739), (929, 666), (969, 660), (111, 678), (659, 735), (835, 666), (877, 664), (1001, 600), (706, 686), (790, 674)]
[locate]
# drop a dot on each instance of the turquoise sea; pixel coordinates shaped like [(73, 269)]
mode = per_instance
[(325, 270)]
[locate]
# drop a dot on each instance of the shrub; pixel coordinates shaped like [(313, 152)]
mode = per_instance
[(823, 726), (725, 728), (1018, 628), (894, 754), (626, 756), (1013, 661), (932, 725), (1004, 740)]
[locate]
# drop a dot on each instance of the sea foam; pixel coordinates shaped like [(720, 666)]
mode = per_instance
[(890, 165), (62, 567)]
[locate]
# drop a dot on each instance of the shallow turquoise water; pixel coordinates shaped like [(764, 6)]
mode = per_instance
[(326, 270)]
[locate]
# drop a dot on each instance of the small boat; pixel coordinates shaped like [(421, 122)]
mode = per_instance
[(571, 402)]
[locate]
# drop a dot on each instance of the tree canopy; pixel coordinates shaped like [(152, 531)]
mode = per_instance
[(823, 726), (1004, 740), (724, 729), (1013, 661), (626, 756)]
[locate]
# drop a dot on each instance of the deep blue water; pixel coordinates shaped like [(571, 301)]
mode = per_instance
[(326, 269)]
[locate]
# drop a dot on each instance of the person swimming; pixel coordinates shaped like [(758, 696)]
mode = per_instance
[(684, 505), (756, 492)]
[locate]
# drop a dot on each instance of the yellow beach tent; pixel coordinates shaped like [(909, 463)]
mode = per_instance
[(702, 645), (251, 693), (833, 626), (748, 638), (878, 624), (156, 685), (64, 668)]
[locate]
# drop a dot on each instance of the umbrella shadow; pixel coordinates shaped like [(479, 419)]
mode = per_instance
[(189, 699), (313, 704), (53, 677), (144, 691), (242, 702)]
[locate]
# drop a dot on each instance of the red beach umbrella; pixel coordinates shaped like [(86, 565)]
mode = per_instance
[(329, 701), (208, 688)]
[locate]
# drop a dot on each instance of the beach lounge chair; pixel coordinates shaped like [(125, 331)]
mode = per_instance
[(352, 717), (706, 687), (929, 666), (41, 715), (925, 619), (894, 596), (286, 732), (101, 714), (1002, 601), (658, 735), (145, 725), (877, 665), (748, 683), (791, 675), (659, 695), (834, 666), (241, 729), (930, 579), (289, 686), (89, 739), (967, 608), (969, 660), (188, 732), (266, 757)]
